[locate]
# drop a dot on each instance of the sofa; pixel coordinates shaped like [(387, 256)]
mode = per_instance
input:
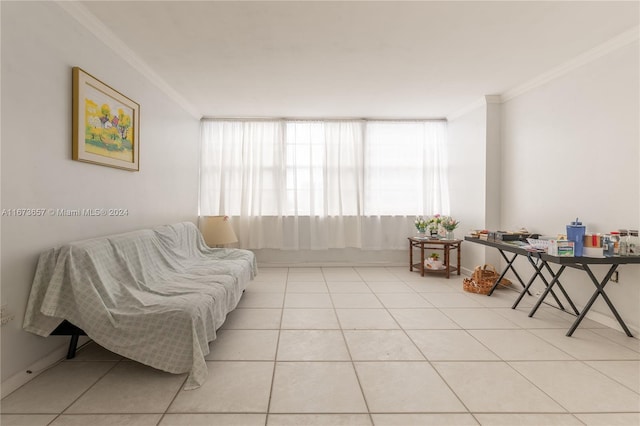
[(156, 296)]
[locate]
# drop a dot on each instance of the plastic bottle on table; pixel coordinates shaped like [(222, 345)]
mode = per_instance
[(633, 242), (624, 242), (607, 246), (615, 242)]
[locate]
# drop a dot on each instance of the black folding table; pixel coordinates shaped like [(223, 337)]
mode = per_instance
[(540, 261)]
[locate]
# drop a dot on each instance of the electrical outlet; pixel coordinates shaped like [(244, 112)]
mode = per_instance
[(5, 315)]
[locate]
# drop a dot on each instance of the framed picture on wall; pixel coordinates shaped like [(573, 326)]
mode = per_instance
[(106, 124)]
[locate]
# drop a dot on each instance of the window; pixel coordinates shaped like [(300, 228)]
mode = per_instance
[(323, 170), (401, 160)]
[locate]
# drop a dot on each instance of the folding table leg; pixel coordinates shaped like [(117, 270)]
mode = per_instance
[(544, 280), (556, 278), (526, 288), (599, 291), (547, 290), (510, 266), (504, 271)]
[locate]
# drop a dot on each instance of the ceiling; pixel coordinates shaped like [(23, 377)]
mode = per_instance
[(356, 59)]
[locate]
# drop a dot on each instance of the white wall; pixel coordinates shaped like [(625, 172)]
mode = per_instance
[(467, 138), (568, 148), (40, 44), (571, 148)]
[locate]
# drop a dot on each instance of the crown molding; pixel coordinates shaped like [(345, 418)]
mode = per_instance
[(493, 99), (591, 55), (104, 34), (467, 109), (480, 102)]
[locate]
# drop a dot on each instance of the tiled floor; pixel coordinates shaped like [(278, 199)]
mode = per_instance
[(360, 346)]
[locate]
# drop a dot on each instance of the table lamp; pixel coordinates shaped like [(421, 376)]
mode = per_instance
[(217, 231)]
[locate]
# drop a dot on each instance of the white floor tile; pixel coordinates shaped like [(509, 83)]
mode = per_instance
[(375, 274), (348, 287), (403, 300), (26, 419), (578, 387), (303, 319), (244, 345), (527, 419), (424, 420), (381, 345), (586, 345), (94, 352), (422, 319), (356, 300), (431, 286), (55, 389), (307, 300), (318, 420), (312, 345), (405, 387), (306, 287), (389, 287), (500, 298), (610, 419), (341, 274), (518, 345), (316, 387), (213, 420), (451, 300), (624, 372), (544, 318), (265, 287), (261, 300), (107, 420), (253, 319), (620, 338), (473, 319), (366, 319), (494, 387), (130, 387), (231, 387), (450, 345)]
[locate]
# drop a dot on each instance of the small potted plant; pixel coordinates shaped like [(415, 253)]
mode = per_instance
[(421, 225), (433, 262)]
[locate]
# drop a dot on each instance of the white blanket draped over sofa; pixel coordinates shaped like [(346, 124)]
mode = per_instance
[(156, 296)]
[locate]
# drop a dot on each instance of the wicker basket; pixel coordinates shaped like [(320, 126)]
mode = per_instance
[(482, 280)]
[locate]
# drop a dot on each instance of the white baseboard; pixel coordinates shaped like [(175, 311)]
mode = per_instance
[(328, 264), (610, 322), (32, 371)]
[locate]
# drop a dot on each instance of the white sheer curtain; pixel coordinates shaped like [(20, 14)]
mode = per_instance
[(242, 175), (406, 168), (324, 185), (295, 184)]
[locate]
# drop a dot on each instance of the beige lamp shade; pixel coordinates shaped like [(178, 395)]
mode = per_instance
[(217, 230)]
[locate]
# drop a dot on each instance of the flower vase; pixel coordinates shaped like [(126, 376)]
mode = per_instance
[(422, 233), (449, 236), (433, 233)]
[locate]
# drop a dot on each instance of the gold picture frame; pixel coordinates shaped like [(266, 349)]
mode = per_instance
[(106, 124)]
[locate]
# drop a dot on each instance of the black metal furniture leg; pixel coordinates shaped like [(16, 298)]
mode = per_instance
[(547, 290), (73, 345), (504, 271), (526, 289), (510, 266), (599, 291), (556, 278), (544, 280)]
